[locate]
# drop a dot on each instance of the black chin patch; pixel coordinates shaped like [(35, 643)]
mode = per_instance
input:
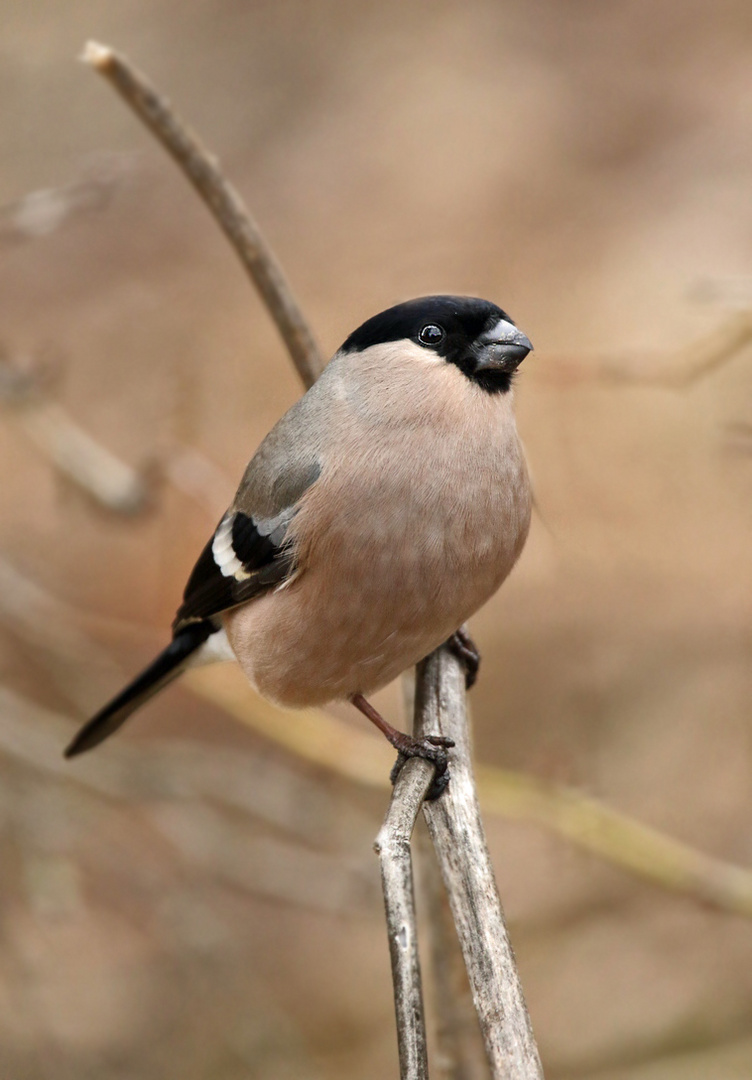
[(493, 382), (488, 379)]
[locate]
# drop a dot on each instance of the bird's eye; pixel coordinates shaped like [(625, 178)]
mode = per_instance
[(431, 335)]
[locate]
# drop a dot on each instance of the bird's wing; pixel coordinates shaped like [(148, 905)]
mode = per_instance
[(249, 552)]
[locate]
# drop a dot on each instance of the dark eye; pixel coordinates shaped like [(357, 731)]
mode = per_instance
[(431, 335)]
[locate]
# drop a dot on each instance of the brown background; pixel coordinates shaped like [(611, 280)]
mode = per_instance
[(587, 166)]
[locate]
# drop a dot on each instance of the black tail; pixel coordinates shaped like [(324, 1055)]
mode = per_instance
[(167, 666)]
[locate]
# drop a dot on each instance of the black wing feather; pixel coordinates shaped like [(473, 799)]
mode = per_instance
[(266, 561)]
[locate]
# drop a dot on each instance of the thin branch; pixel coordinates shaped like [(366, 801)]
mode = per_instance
[(618, 838), (25, 392), (456, 829), (229, 211), (85, 673), (393, 848), (453, 1026)]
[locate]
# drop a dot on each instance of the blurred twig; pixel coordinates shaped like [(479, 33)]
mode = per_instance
[(75, 454), (81, 671), (25, 394), (265, 865), (686, 366), (192, 796), (90, 465), (192, 473), (739, 437), (229, 211), (44, 211)]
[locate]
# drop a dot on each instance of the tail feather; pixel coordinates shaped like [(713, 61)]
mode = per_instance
[(166, 667)]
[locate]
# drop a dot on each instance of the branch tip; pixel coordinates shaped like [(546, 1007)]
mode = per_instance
[(97, 55)]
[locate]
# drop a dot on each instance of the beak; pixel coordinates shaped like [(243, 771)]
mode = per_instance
[(502, 348)]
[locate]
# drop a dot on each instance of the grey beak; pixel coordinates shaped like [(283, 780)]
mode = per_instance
[(503, 348)]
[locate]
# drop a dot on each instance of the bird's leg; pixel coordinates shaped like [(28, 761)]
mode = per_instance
[(465, 649), (433, 747)]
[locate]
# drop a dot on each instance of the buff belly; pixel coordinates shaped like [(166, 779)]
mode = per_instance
[(356, 620)]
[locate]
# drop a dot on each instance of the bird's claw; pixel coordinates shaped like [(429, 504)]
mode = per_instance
[(431, 748), (437, 740), (466, 651)]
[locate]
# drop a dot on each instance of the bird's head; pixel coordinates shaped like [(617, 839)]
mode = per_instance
[(475, 335)]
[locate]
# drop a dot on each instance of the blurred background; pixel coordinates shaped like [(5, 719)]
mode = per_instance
[(193, 900)]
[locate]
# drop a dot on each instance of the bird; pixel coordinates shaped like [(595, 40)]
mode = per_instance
[(379, 513)]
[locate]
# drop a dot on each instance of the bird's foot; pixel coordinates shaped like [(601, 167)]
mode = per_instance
[(431, 748), (466, 651)]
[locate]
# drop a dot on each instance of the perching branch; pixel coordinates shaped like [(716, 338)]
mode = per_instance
[(459, 841), (459, 1053)]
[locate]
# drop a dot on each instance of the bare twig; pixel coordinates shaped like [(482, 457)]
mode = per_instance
[(620, 839), (459, 841), (281, 796), (81, 671), (222, 199), (393, 848), (600, 830), (25, 391)]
